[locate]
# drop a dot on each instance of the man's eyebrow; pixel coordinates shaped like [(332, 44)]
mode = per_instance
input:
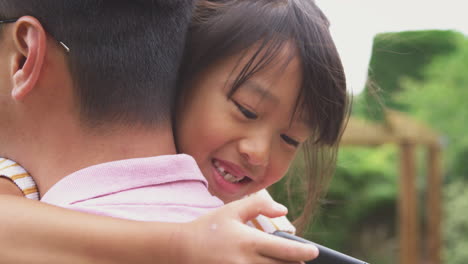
[(257, 88)]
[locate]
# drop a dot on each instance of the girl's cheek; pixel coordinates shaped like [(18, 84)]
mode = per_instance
[(281, 165)]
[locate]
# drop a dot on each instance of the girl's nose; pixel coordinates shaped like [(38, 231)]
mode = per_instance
[(256, 149)]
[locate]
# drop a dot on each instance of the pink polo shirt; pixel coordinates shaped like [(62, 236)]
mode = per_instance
[(164, 188)]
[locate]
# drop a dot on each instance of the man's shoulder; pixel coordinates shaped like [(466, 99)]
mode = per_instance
[(118, 176), (163, 188)]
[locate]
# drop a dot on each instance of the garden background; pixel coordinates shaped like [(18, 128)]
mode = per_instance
[(423, 74)]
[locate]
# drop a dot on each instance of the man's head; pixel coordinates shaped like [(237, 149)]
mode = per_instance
[(109, 97), (124, 54)]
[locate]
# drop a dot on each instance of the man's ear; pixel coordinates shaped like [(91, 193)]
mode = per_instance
[(30, 42)]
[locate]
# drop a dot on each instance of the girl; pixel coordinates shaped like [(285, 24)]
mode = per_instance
[(261, 79)]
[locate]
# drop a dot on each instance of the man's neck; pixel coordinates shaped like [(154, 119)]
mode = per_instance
[(54, 155)]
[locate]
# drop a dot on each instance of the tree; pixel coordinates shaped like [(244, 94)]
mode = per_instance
[(403, 55)]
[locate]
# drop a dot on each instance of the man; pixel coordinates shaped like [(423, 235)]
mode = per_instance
[(84, 83)]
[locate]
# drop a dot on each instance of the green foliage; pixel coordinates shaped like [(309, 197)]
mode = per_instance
[(455, 223), (426, 75), (365, 180), (440, 100), (403, 55), (364, 183)]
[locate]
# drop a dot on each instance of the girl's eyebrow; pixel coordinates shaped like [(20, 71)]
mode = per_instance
[(257, 88)]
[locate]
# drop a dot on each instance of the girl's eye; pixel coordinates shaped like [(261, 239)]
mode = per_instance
[(289, 140), (246, 112)]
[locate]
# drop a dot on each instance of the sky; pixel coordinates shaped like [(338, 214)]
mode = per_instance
[(354, 23)]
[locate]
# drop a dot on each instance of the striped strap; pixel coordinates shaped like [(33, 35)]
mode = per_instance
[(11, 170), (271, 225)]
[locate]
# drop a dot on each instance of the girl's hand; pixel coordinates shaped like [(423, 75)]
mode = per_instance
[(223, 237)]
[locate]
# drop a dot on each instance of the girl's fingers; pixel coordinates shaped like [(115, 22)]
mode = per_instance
[(250, 207), (277, 261), (287, 250)]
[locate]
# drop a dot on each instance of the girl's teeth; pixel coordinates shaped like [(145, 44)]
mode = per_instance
[(226, 175), (218, 167), (221, 171)]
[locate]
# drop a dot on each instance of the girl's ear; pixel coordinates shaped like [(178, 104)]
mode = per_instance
[(30, 42)]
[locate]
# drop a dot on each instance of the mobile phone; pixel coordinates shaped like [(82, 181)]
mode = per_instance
[(326, 255)]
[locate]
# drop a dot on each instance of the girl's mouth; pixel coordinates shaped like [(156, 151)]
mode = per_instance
[(229, 175)]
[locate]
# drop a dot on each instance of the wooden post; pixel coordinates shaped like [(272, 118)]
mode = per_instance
[(408, 210), (434, 182)]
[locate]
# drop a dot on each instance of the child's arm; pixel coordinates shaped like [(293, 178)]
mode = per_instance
[(239, 243), (34, 232)]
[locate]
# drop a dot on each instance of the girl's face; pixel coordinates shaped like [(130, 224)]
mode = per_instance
[(244, 143)]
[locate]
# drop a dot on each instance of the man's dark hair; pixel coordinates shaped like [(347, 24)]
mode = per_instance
[(124, 54)]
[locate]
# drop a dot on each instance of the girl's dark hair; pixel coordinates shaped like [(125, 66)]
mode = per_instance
[(124, 54), (222, 28)]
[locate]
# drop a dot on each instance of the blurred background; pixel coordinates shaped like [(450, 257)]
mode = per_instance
[(399, 194)]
